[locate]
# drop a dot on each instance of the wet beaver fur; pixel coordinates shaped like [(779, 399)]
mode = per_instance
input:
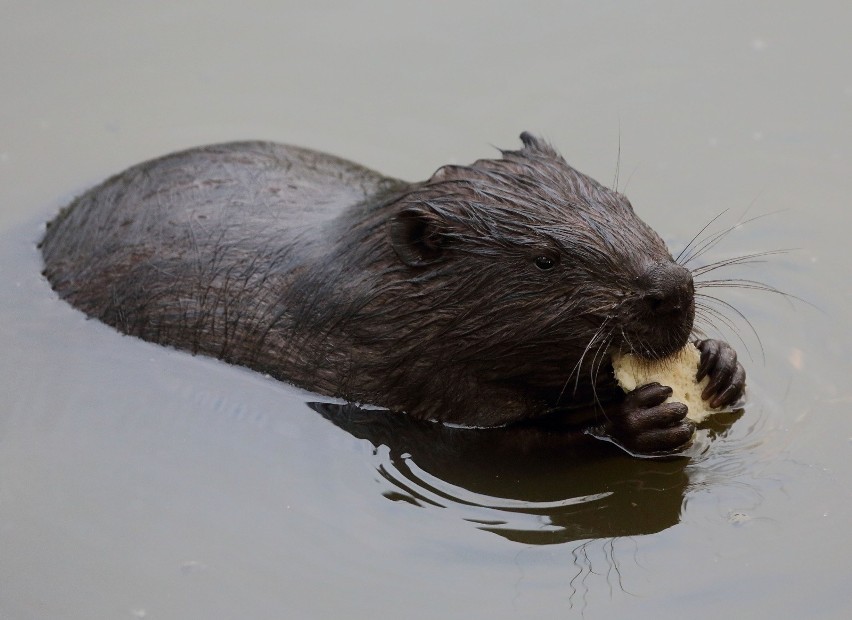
[(490, 294)]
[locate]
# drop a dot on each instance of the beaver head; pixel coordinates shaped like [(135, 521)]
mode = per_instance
[(528, 271)]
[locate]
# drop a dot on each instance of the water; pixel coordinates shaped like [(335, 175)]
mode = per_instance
[(137, 481)]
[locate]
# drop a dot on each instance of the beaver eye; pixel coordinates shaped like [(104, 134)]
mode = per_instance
[(545, 262)]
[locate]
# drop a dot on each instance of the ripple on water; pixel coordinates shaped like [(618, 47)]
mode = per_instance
[(516, 483)]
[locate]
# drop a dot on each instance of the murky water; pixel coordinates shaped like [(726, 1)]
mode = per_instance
[(137, 481)]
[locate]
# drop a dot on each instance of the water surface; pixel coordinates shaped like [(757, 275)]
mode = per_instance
[(137, 481)]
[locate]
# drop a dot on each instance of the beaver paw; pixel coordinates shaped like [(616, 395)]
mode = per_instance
[(645, 424), (727, 376)]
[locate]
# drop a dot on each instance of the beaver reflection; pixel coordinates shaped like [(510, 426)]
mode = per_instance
[(530, 484)]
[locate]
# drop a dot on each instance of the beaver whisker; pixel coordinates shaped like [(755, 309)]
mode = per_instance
[(709, 315), (739, 313), (617, 164), (755, 285), (698, 234), (594, 370), (598, 359), (707, 312), (745, 259), (699, 333), (713, 240), (709, 243), (577, 367), (575, 370), (627, 339)]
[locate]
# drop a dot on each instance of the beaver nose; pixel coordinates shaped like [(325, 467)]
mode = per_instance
[(669, 288)]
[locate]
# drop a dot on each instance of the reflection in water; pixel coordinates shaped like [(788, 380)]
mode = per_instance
[(523, 483)]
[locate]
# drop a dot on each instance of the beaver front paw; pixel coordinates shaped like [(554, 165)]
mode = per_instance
[(645, 424), (727, 376)]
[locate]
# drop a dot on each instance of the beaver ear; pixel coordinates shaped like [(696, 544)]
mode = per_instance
[(536, 144), (416, 237)]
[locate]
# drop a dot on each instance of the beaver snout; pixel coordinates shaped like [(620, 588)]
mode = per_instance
[(657, 319), (668, 289)]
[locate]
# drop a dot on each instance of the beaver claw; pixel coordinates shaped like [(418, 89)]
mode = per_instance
[(647, 425), (727, 376)]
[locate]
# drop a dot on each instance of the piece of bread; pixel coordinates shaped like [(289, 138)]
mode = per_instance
[(677, 372)]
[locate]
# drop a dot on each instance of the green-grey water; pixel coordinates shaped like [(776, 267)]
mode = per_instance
[(141, 482)]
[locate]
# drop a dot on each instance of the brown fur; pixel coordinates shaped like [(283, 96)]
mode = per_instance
[(488, 294)]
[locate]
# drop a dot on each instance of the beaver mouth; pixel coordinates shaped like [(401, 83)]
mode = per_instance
[(659, 350), (657, 337)]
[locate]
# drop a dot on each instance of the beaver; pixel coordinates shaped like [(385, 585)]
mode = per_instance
[(490, 294)]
